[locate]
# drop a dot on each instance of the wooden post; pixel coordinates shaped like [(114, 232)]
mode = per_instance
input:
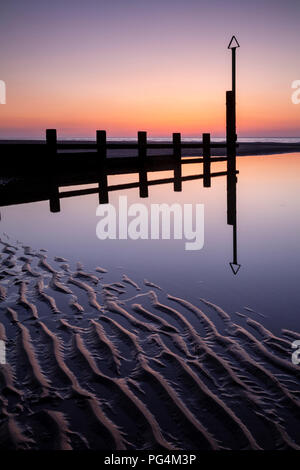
[(206, 160), (51, 141), (230, 120), (177, 145), (101, 145), (206, 146), (142, 144), (230, 132), (101, 166), (177, 161), (142, 154)]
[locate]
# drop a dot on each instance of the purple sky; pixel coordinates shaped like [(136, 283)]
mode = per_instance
[(161, 66)]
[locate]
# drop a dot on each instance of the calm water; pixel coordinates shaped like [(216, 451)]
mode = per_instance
[(268, 239)]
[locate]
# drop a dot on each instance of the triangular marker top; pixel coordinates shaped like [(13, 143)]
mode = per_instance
[(233, 43)]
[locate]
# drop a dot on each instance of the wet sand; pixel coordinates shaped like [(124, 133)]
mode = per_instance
[(93, 364)]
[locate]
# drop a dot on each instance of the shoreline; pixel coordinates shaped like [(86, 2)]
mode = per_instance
[(244, 148)]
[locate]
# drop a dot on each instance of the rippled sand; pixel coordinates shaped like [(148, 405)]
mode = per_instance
[(94, 364)]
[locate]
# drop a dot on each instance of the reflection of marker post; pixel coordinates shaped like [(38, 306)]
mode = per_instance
[(235, 266), (231, 210)]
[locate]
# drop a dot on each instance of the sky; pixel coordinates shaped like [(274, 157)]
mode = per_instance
[(161, 66)]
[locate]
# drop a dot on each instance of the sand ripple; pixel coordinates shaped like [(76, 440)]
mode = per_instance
[(96, 365)]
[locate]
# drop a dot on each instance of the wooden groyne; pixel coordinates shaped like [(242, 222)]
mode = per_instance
[(62, 157)]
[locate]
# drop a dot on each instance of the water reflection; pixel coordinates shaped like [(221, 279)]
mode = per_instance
[(231, 210), (25, 191)]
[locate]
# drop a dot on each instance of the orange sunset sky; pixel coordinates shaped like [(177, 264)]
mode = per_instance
[(160, 66)]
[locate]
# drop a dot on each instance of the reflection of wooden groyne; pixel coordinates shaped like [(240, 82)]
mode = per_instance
[(45, 188)]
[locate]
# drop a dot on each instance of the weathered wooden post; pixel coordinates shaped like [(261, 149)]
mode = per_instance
[(51, 141), (142, 144), (206, 160), (231, 158), (230, 127), (177, 145), (177, 161), (142, 155), (101, 145), (206, 146), (101, 166), (230, 137)]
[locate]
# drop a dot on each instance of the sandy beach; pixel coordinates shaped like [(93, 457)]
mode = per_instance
[(119, 365), (149, 242)]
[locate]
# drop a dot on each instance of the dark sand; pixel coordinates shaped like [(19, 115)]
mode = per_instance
[(94, 364)]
